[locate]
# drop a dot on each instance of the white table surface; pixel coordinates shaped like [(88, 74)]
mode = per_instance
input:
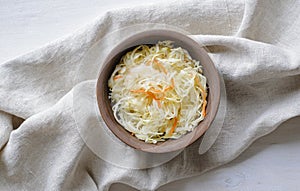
[(271, 164)]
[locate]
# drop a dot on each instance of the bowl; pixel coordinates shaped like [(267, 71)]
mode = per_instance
[(196, 51)]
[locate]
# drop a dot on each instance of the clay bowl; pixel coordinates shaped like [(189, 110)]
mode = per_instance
[(152, 37)]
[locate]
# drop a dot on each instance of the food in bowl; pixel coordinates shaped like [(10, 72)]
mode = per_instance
[(158, 92)]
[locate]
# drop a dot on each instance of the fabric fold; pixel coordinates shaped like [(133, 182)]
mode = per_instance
[(6, 127)]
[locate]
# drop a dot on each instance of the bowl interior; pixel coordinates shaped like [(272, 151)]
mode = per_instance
[(152, 37)]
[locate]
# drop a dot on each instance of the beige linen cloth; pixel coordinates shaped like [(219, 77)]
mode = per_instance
[(255, 45)]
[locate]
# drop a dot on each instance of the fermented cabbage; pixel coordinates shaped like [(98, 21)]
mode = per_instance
[(158, 92)]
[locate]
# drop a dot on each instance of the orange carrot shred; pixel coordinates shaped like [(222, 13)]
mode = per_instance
[(158, 103), (203, 112), (173, 126), (171, 86), (154, 94), (160, 66), (138, 91), (173, 82), (168, 88), (117, 77)]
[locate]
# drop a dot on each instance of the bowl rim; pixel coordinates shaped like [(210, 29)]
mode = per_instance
[(119, 131)]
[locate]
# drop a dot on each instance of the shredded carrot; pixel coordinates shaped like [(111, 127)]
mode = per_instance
[(171, 86), (155, 96), (199, 84), (117, 77), (203, 112), (173, 82), (160, 66), (138, 91), (168, 88), (173, 126), (158, 103), (152, 93)]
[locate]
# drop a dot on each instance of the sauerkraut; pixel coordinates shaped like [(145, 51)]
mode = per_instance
[(158, 92)]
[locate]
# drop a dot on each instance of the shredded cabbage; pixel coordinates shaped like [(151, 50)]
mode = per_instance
[(158, 92)]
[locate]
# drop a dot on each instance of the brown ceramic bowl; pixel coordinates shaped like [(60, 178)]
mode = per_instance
[(152, 37)]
